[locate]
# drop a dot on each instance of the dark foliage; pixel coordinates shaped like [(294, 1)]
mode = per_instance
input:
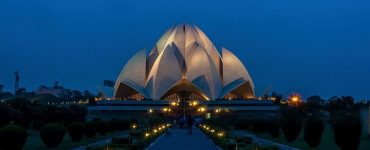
[(278, 97), (49, 114), (22, 111), (313, 131), (341, 103), (291, 123), (26, 113), (91, 129), (113, 125), (347, 131), (274, 129), (52, 134), (91, 101), (76, 131), (121, 140), (12, 137), (102, 127), (5, 114)]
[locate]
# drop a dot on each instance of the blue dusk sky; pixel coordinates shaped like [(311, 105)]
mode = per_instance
[(307, 46)]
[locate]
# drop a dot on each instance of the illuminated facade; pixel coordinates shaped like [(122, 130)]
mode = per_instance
[(184, 64)]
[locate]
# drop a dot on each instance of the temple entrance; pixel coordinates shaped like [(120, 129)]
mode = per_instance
[(186, 103)]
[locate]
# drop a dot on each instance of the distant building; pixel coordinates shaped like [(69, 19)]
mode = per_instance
[(55, 90)]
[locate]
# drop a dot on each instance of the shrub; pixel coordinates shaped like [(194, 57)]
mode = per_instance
[(113, 125), (76, 131), (259, 125), (291, 124), (90, 129), (123, 125), (274, 129), (347, 131), (102, 127), (313, 131), (121, 140), (5, 114), (12, 137), (52, 134)]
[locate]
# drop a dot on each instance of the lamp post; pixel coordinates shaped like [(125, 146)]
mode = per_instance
[(294, 99)]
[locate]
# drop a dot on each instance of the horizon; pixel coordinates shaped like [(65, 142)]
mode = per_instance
[(312, 48)]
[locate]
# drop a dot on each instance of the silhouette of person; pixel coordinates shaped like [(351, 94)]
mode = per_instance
[(190, 125)]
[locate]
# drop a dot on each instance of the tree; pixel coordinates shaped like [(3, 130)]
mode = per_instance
[(291, 123), (76, 131), (274, 129), (12, 137), (20, 91), (5, 95), (277, 96), (341, 103), (313, 131), (76, 95), (102, 126), (347, 131), (315, 101), (92, 101), (90, 129), (52, 134), (5, 114), (87, 94), (23, 111)]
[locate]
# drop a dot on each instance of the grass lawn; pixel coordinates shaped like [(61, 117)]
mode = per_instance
[(34, 141), (327, 141)]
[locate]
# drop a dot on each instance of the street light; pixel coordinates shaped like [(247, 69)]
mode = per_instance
[(165, 109), (195, 103)]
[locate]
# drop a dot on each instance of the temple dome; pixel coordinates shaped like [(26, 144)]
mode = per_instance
[(184, 60)]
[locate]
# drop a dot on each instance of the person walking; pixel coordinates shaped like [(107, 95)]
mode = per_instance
[(190, 125)]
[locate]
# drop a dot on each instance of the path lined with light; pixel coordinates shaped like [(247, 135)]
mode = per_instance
[(180, 140)]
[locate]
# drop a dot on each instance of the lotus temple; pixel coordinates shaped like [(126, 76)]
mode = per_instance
[(184, 67)]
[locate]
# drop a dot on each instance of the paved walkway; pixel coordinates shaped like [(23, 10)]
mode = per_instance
[(180, 140)]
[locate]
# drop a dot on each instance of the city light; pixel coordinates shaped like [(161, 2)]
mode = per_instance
[(134, 126), (294, 99), (220, 134), (165, 109)]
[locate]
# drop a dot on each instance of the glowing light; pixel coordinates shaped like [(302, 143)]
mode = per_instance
[(220, 134), (134, 126), (165, 109), (295, 97), (202, 109), (155, 130), (147, 134), (195, 103), (150, 110), (173, 103)]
